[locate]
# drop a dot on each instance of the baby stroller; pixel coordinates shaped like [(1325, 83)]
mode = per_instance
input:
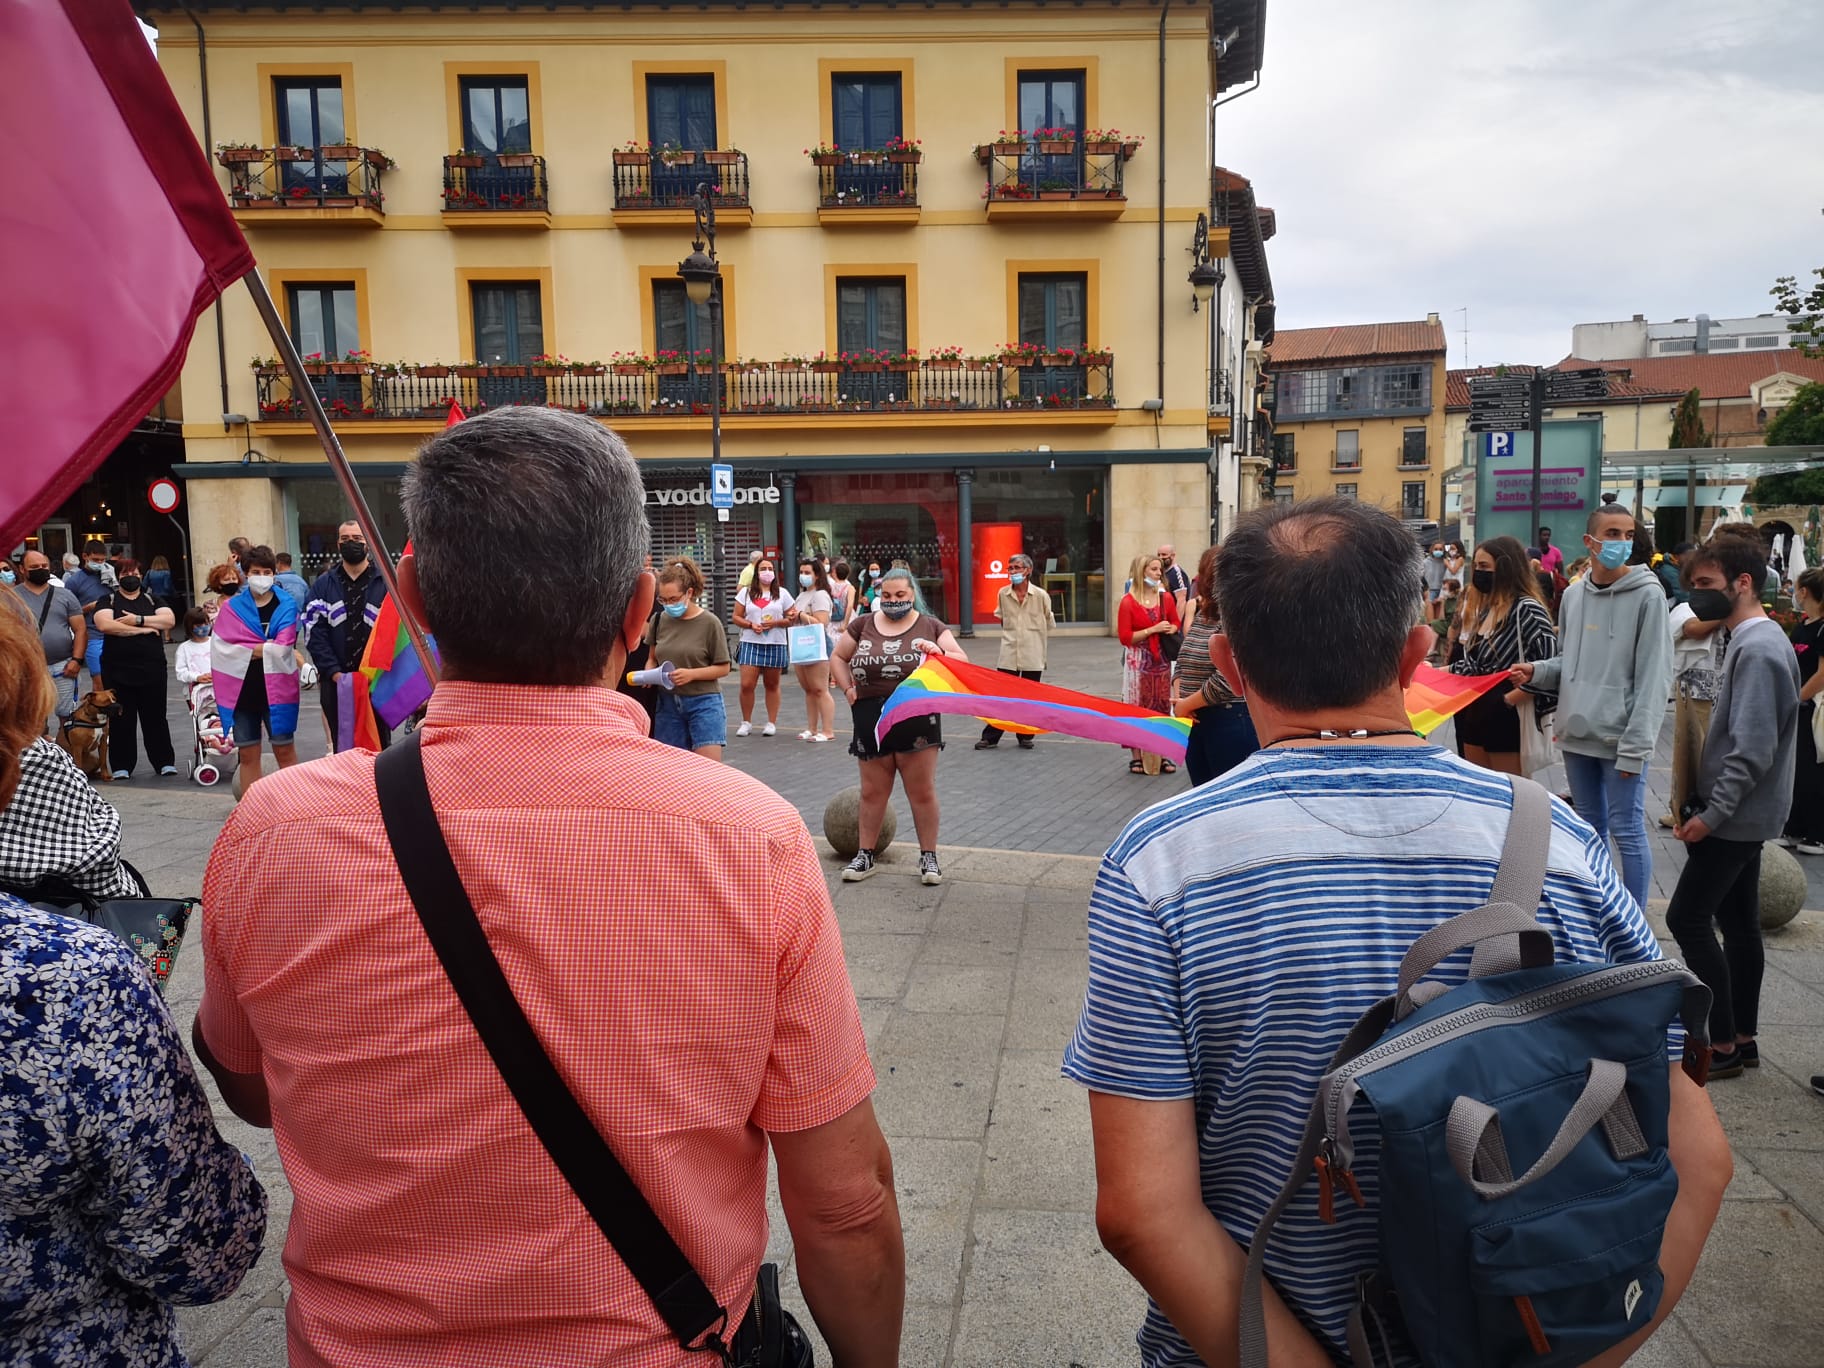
[(212, 755)]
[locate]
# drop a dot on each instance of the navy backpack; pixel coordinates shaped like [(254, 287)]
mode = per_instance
[(1524, 1179)]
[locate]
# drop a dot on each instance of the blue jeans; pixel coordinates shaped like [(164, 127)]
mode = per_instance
[(1221, 738), (691, 721), (1615, 807), (91, 654)]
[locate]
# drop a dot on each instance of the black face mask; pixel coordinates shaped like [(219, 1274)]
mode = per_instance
[(1711, 605), (1484, 580), (129, 584), (38, 574), (353, 552)]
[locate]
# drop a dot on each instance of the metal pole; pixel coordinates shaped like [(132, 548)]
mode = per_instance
[(306, 394), (1538, 425), (183, 537), (1691, 500), (715, 441), (965, 552)]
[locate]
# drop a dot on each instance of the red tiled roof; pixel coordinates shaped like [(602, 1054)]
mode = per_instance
[(1715, 375), (1360, 341), (1621, 388)]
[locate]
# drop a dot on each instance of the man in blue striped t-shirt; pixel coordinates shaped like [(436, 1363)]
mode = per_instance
[(1238, 931)]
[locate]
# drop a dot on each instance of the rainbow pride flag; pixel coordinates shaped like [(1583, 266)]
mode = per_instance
[(389, 684), (1436, 694), (1022, 706)]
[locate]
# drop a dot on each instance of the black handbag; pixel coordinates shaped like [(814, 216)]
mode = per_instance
[(768, 1337), (153, 927), (1170, 643)]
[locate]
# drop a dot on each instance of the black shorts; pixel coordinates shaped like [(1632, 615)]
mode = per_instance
[(1490, 723), (924, 732)]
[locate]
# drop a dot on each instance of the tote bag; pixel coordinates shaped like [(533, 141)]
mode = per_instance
[(1537, 748), (808, 643)]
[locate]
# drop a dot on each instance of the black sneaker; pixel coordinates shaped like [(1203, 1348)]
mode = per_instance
[(1726, 1065), (859, 868), (1817, 1084), (928, 872), (1750, 1052), (1025, 743)]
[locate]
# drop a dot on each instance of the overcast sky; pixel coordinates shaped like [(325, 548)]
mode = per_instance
[(1544, 162)]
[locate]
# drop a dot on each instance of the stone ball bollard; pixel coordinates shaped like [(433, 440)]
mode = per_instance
[(1782, 886), (842, 824)]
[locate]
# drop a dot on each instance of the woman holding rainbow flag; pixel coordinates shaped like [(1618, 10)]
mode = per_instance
[(1504, 621), (876, 652)]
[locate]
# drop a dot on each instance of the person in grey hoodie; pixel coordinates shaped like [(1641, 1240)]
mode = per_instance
[(1612, 676), (1744, 789)]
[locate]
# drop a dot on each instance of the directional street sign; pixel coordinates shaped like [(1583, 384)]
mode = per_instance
[(721, 486), (1497, 425)]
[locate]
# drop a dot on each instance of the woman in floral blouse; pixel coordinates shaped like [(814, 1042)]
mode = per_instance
[(118, 1198)]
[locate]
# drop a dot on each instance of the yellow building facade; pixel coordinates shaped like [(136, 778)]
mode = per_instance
[(511, 190), (1359, 411)]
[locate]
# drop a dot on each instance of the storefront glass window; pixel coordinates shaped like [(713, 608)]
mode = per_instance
[(890, 516), (1060, 519), (319, 508)]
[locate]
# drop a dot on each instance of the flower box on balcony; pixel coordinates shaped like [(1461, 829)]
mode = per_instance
[(240, 156), (507, 372), (907, 157), (347, 368), (472, 372), (1102, 147), (632, 158), (1059, 359), (463, 161), (288, 154), (1019, 362), (1057, 194), (1057, 147), (432, 372), (826, 368), (341, 152), (338, 201), (902, 367), (724, 158), (945, 363), (318, 368), (588, 370), (1095, 358), (672, 368), (679, 156), (868, 367), (867, 158), (826, 159), (517, 159), (547, 372), (630, 368)]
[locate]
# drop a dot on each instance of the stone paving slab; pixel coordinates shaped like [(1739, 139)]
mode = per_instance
[(968, 994)]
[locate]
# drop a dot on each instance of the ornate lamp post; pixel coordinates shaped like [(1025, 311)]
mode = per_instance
[(702, 277)]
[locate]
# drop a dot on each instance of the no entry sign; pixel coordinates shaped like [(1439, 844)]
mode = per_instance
[(163, 496)]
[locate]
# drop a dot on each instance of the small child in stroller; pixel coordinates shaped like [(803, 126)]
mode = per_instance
[(212, 755)]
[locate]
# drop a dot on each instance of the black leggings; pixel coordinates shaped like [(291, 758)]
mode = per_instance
[(142, 705), (1722, 881)]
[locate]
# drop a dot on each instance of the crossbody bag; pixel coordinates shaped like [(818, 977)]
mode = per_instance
[(768, 1337)]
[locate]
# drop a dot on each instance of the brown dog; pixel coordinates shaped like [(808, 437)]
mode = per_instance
[(85, 735)]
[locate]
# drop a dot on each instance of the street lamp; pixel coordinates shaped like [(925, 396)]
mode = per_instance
[(702, 278), (1205, 275)]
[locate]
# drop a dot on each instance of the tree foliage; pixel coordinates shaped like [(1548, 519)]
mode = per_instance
[(1688, 423), (1807, 310), (1800, 423)]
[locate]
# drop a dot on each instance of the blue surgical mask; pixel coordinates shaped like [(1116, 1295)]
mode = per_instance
[(199, 632), (8, 577), (1614, 554), (678, 609), (1017, 578), (806, 581), (1437, 555)]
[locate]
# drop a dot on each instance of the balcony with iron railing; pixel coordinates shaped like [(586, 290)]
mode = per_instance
[(314, 186), (656, 187), (497, 190), (877, 186), (1051, 173), (1069, 387)]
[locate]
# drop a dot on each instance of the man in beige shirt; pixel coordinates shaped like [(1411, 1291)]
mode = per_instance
[(1026, 622)]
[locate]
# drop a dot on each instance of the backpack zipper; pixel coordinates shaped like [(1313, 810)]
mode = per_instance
[(1337, 1090)]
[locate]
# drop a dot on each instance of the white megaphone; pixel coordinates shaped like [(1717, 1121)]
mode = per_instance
[(658, 677)]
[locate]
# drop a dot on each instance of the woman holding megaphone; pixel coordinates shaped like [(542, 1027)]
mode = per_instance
[(689, 656)]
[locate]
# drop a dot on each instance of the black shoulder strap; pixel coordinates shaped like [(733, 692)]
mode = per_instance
[(588, 1164), (44, 609)]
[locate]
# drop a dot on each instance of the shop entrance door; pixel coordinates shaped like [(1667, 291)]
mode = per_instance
[(55, 538)]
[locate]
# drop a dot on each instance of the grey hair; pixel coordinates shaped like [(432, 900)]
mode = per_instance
[(523, 482), (1350, 565), (1020, 558)]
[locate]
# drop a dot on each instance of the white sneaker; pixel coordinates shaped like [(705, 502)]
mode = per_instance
[(1811, 848), (744, 729), (768, 730), (167, 770), (1785, 842), (118, 774)]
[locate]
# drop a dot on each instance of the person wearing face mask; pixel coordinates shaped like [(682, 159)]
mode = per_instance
[(133, 623), (1697, 650), (870, 586), (691, 639), (760, 613), (191, 664), (1434, 582), (1026, 621), (222, 583), (1805, 827), (874, 656), (254, 660), (89, 582), (1147, 613), (1612, 682), (57, 617), (338, 618), (1504, 621), (1177, 583), (815, 604), (1743, 796), (1454, 561)]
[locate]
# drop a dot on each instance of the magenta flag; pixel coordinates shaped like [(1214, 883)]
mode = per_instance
[(111, 243)]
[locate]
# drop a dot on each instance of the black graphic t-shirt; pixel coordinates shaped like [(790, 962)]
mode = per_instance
[(881, 663)]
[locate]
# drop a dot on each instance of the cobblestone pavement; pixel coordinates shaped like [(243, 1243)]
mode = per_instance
[(968, 994)]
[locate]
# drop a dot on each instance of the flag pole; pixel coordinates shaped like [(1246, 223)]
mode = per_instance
[(306, 394)]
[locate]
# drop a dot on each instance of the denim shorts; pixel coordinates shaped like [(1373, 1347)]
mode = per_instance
[(689, 721), (249, 725)]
